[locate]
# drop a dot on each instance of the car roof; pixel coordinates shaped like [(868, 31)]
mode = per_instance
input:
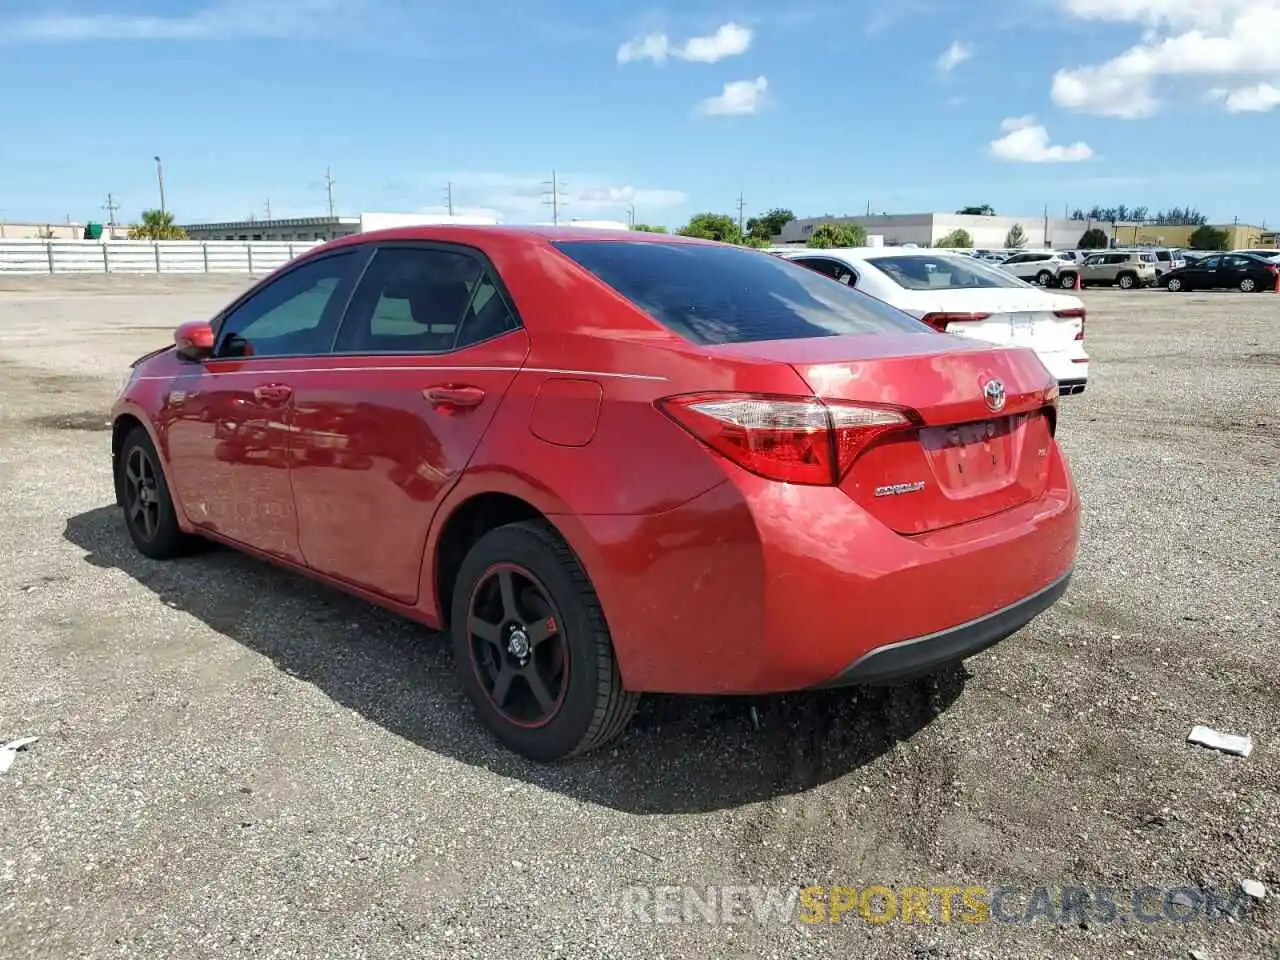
[(478, 233), (862, 253)]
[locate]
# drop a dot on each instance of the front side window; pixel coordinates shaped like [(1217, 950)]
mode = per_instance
[(710, 294), (1211, 262), (939, 272), (293, 315)]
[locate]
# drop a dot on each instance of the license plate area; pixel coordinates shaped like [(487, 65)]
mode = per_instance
[(972, 459)]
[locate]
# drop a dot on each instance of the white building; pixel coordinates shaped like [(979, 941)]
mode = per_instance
[(926, 229), (320, 228)]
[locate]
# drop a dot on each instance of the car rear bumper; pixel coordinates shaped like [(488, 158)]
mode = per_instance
[(1067, 366), (763, 587), (900, 661)]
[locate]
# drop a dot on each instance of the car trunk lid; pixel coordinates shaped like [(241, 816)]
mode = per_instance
[(981, 431)]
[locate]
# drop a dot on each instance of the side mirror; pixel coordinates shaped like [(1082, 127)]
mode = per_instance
[(194, 340)]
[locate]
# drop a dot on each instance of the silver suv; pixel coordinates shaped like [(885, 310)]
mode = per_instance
[(1120, 268), (1041, 266)]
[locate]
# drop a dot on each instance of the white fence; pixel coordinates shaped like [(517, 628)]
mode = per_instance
[(145, 256)]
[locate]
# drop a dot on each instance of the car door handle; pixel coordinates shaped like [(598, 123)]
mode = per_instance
[(454, 396), (272, 393)]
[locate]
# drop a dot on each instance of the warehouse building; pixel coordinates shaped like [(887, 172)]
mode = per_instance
[(318, 228)]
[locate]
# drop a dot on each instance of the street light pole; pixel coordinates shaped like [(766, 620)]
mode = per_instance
[(160, 181)]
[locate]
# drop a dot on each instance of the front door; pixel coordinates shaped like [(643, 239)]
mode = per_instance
[(384, 428), (228, 420)]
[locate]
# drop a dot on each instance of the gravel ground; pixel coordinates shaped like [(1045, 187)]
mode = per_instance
[(236, 762)]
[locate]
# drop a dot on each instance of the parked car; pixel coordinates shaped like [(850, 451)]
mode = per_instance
[(1225, 271), (1120, 268), (1041, 266), (1266, 253), (609, 463), (1167, 258), (968, 298)]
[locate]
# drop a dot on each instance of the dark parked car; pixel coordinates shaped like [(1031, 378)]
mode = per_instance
[(1224, 271)]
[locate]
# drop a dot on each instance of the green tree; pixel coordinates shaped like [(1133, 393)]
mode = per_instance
[(758, 242), (838, 235), (956, 238), (157, 225), (769, 225), (712, 226), (986, 210), (1016, 238), (1208, 238), (648, 228), (1094, 238)]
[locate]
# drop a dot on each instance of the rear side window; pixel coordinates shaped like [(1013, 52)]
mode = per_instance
[(925, 272), (722, 294), (422, 300)]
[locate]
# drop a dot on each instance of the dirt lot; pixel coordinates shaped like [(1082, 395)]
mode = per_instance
[(236, 762)]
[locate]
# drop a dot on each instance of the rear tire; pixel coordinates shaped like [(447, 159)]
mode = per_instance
[(1248, 285), (149, 513), (1126, 281), (1044, 278), (1174, 285), (532, 648)]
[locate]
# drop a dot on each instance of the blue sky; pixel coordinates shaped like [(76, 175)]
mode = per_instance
[(822, 106)]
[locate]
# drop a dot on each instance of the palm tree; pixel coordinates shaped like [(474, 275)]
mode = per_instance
[(157, 225)]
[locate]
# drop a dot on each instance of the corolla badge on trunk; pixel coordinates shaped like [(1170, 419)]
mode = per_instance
[(993, 393), (896, 489)]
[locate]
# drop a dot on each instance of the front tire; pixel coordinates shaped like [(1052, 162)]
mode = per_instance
[(1069, 282), (149, 513), (532, 648), (1248, 285), (1174, 285)]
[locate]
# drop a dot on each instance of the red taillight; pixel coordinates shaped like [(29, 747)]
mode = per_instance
[(1074, 312), (939, 321), (793, 439)]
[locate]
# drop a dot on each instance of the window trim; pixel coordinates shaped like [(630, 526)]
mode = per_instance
[(475, 253), (220, 319)]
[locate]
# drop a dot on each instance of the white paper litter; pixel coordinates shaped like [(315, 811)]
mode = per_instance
[(1254, 888), (9, 751), (1226, 742)]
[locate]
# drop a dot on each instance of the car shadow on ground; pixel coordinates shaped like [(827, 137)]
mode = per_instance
[(680, 754)]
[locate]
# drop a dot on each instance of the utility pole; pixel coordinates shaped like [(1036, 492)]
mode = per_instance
[(554, 202), (268, 208), (741, 206), (160, 181), (868, 208), (631, 215), (111, 206), (448, 198), (329, 182)]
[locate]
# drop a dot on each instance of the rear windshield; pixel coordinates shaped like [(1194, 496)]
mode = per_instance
[(722, 294), (925, 272)]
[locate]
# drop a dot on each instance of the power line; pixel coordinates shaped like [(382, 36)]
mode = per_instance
[(554, 200), (111, 206)]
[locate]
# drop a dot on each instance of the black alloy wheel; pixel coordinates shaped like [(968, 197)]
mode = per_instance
[(149, 512), (531, 645)]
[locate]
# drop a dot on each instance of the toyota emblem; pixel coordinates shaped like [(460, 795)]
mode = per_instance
[(993, 393)]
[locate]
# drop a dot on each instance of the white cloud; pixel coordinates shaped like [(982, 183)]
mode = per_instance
[(1222, 39), (728, 40), (953, 56), (1026, 141), (518, 198), (219, 21), (737, 98), (1258, 98)]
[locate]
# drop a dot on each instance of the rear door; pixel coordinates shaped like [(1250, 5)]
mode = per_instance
[(384, 428), (835, 269)]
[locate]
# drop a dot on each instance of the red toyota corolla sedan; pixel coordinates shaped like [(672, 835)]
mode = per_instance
[(610, 463)]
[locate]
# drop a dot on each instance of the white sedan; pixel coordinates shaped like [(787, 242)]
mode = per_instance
[(964, 296)]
